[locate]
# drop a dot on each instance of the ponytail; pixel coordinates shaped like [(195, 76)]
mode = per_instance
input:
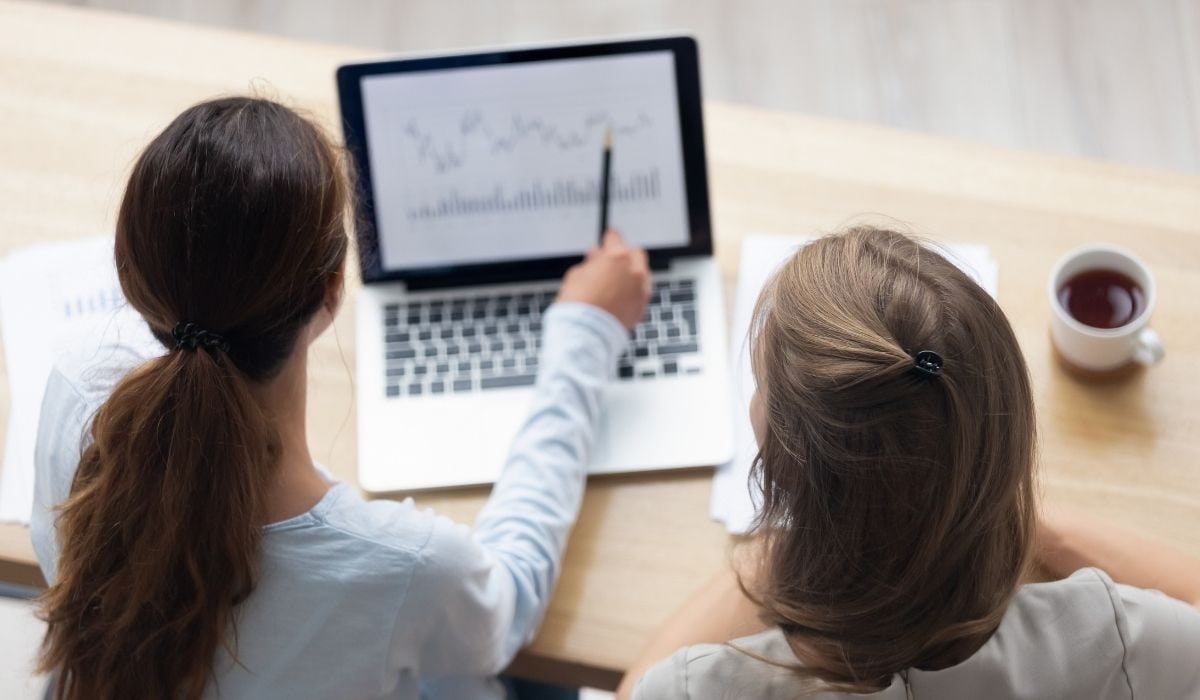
[(162, 526), (234, 220)]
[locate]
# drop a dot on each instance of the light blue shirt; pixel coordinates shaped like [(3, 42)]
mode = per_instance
[(380, 599)]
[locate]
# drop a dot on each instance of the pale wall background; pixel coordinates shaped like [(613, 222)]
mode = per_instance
[(1111, 79)]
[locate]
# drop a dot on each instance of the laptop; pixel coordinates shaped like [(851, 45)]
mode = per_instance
[(479, 177)]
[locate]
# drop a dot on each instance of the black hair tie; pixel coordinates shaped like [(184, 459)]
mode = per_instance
[(190, 336), (928, 364)]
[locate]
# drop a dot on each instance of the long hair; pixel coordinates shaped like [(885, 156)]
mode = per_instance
[(233, 219), (898, 508)]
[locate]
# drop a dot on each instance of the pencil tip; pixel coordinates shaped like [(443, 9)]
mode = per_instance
[(608, 137)]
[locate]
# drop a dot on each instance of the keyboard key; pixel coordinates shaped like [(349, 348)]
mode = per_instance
[(487, 365), (420, 369), (462, 385), (508, 381), (646, 373), (683, 295), (446, 333), (464, 366), (673, 332), (677, 348), (430, 351), (625, 371), (425, 335), (685, 283), (641, 351), (397, 337), (402, 354), (509, 363), (395, 371), (443, 367), (670, 368), (414, 389), (393, 390), (437, 387), (651, 334)]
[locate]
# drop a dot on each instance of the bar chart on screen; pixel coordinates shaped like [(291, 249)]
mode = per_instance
[(503, 162)]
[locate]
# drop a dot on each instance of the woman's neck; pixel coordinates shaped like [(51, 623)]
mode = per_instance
[(297, 486)]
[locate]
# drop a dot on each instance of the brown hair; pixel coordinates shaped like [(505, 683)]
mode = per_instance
[(234, 219), (898, 508)]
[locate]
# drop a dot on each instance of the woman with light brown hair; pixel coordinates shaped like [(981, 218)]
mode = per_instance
[(895, 423)]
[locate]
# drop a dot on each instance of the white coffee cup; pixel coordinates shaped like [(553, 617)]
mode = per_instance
[(1103, 350)]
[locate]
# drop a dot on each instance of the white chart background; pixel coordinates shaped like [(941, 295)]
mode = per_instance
[(497, 131)]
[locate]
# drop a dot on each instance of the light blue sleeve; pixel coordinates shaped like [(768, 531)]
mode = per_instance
[(79, 383), (479, 596), (61, 430)]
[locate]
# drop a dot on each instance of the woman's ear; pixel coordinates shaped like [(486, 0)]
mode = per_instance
[(335, 291), (758, 416)]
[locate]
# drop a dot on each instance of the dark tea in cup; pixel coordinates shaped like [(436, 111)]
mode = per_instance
[(1102, 298)]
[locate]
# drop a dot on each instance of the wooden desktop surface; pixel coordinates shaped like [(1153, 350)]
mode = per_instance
[(82, 91)]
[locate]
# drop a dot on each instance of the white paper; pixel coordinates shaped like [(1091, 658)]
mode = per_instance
[(733, 500), (54, 298)]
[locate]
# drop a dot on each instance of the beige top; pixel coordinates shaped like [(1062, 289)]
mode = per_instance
[(1083, 638)]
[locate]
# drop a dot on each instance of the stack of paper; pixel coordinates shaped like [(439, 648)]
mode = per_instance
[(733, 498), (54, 299)]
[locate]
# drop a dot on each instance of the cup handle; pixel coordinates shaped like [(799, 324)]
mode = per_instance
[(1148, 347)]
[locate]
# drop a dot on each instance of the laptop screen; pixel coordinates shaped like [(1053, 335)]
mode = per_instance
[(500, 162)]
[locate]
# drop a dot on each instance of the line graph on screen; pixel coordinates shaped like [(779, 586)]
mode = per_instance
[(486, 136)]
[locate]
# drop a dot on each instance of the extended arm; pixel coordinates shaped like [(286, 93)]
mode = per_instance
[(1069, 540), (717, 612)]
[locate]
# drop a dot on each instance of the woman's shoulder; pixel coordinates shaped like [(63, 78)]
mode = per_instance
[(88, 376), (1158, 637), (388, 537), (759, 666), (1077, 637)]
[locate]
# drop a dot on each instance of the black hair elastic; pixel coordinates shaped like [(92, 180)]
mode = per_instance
[(928, 364), (190, 336)]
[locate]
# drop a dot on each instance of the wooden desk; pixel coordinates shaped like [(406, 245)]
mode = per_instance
[(81, 91)]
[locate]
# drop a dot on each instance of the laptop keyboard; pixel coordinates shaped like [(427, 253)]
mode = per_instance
[(472, 342)]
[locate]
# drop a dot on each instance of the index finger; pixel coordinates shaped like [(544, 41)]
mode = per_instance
[(613, 240)]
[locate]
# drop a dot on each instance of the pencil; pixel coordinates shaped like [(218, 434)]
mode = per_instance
[(604, 176)]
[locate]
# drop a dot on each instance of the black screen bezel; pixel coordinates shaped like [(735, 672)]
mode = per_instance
[(687, 81)]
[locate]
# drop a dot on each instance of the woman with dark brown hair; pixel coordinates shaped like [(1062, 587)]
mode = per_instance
[(896, 432), (192, 547)]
